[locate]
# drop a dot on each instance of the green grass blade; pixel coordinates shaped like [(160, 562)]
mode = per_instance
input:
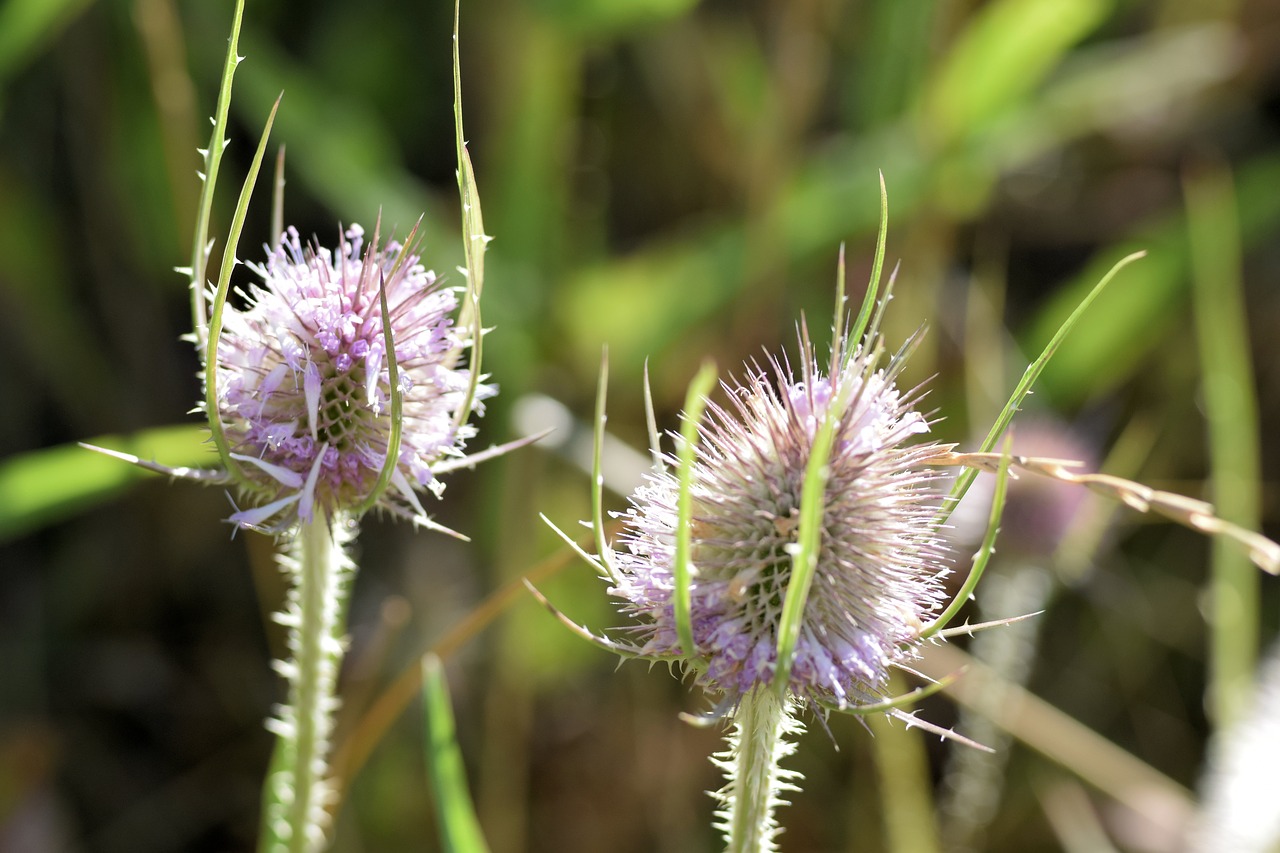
[(904, 785), (1231, 408), (459, 828), (1005, 51), (46, 486), (695, 404), (895, 56)]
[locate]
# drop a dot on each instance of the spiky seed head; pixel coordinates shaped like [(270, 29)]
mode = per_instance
[(304, 388), (880, 566)]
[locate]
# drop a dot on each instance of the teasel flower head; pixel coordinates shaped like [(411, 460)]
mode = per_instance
[(304, 383), (879, 569), (788, 553)]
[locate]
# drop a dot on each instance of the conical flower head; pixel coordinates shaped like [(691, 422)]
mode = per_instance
[(879, 569), (304, 393)]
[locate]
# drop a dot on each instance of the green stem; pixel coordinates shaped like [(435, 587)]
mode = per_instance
[(1231, 409), (315, 547), (315, 613), (753, 773), (902, 779)]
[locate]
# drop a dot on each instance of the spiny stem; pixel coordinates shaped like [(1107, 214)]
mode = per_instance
[(209, 179), (315, 548), (314, 615), (754, 777)]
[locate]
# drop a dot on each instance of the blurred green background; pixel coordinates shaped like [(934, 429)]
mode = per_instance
[(671, 178)]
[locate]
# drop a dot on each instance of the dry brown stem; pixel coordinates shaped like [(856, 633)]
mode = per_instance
[(1195, 514)]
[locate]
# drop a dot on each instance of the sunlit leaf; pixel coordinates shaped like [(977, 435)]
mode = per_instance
[(1002, 55), (46, 486)]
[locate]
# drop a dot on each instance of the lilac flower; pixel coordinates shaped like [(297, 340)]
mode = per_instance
[(880, 566), (303, 383)]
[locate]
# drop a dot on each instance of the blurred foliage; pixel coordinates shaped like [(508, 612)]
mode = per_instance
[(666, 177)]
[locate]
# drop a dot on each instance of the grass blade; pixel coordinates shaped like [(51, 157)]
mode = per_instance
[(45, 486), (459, 828), (1231, 409)]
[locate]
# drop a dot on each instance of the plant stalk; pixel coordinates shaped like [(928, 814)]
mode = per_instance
[(315, 614), (1231, 409), (754, 777)]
